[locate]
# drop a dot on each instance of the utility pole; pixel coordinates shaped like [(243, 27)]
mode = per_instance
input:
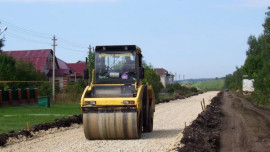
[(89, 48), (183, 78), (90, 63), (53, 75)]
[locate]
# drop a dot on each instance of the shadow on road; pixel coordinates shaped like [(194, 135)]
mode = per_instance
[(164, 133)]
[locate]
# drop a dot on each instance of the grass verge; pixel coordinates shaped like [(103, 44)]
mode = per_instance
[(16, 118), (210, 85), (253, 99)]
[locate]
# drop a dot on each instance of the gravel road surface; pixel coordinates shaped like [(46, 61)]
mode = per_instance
[(169, 122)]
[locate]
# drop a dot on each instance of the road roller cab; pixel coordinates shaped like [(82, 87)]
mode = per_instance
[(117, 105)]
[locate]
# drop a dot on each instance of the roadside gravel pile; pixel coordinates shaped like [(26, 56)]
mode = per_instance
[(204, 132)]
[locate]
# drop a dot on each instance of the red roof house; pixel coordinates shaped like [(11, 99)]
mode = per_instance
[(63, 69), (77, 70), (62, 64), (41, 59)]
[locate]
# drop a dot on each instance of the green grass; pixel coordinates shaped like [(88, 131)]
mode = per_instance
[(16, 118), (253, 100), (210, 85), (267, 106), (165, 97)]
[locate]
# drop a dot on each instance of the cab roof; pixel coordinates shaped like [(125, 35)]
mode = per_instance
[(118, 48)]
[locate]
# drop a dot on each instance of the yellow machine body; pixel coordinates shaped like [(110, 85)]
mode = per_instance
[(117, 117)]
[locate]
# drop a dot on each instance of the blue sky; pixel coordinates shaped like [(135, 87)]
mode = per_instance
[(198, 39)]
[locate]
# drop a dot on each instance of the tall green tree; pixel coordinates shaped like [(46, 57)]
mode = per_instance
[(26, 71), (152, 78), (1, 44), (253, 61), (91, 62), (234, 81), (257, 65), (7, 67), (262, 80)]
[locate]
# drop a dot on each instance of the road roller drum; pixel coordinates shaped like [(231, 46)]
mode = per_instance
[(111, 125)]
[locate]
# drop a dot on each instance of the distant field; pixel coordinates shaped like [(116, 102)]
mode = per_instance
[(210, 85), (16, 118)]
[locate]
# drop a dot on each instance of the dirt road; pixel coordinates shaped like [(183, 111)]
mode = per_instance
[(169, 121), (246, 127)]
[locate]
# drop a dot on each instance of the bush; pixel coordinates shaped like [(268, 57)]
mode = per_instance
[(72, 93), (177, 90), (153, 79), (45, 89), (75, 88), (193, 89)]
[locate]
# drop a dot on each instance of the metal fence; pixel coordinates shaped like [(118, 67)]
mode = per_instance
[(18, 97)]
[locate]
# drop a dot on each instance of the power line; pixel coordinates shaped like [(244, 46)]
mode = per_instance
[(69, 49), (72, 43), (65, 44), (23, 29), (12, 35), (16, 36), (26, 33)]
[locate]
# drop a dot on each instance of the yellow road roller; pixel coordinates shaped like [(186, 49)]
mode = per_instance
[(117, 105)]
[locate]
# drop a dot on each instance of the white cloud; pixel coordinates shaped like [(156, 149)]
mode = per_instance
[(60, 1)]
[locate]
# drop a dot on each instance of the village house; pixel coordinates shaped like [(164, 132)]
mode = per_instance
[(77, 71), (165, 77), (62, 74), (42, 61)]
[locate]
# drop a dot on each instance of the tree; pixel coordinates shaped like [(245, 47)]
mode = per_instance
[(234, 81), (7, 67), (91, 63), (253, 46), (26, 71), (19, 70), (257, 65), (266, 24), (152, 78), (1, 44)]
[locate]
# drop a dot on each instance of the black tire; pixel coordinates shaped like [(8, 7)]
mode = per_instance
[(149, 126), (140, 125), (145, 108), (148, 119)]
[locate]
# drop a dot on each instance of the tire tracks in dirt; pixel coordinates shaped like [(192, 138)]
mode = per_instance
[(246, 127)]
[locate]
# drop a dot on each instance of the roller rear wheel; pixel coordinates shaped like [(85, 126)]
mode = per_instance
[(149, 126)]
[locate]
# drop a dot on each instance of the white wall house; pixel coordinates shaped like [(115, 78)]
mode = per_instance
[(165, 77)]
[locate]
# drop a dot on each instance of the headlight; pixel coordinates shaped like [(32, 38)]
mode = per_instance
[(90, 103), (128, 102)]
